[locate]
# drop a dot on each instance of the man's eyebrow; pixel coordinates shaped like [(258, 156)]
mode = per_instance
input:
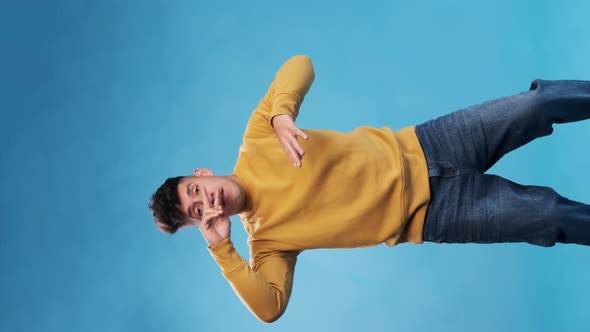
[(188, 209)]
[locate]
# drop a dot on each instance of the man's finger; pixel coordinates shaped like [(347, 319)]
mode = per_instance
[(284, 146), (288, 150), (300, 133), (218, 199), (209, 215), (206, 201), (295, 145), (292, 155), (213, 213), (222, 199), (296, 151), (295, 157)]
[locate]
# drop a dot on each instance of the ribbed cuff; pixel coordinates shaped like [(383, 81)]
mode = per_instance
[(285, 103), (226, 255)]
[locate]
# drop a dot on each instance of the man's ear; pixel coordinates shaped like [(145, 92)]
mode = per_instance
[(202, 172)]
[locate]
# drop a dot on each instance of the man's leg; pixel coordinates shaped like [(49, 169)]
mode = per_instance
[(481, 208), (468, 206), (473, 139)]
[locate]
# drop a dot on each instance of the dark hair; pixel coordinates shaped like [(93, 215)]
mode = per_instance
[(164, 205)]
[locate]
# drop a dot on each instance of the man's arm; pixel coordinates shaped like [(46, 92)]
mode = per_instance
[(277, 111), (291, 84), (266, 287)]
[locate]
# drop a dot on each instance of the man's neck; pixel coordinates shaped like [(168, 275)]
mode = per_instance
[(236, 179)]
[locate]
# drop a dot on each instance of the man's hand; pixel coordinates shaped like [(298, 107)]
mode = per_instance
[(215, 225), (287, 134)]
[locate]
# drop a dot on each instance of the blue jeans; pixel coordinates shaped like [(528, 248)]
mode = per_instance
[(468, 206)]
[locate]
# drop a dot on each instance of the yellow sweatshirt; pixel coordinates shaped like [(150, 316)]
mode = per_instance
[(356, 189)]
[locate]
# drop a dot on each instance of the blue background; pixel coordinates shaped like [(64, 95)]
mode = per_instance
[(101, 101)]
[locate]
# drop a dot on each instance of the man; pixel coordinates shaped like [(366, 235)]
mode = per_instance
[(372, 186)]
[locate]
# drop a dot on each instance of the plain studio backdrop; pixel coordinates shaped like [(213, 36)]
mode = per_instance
[(100, 101)]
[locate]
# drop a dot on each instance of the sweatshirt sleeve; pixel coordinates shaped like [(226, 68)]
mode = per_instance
[(284, 96), (266, 287), (291, 84)]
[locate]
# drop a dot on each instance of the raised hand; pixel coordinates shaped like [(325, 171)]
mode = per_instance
[(287, 134), (215, 225)]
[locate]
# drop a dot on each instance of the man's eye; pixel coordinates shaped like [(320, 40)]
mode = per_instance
[(196, 189), (199, 211)]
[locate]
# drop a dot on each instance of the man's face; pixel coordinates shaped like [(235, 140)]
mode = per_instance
[(190, 193)]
